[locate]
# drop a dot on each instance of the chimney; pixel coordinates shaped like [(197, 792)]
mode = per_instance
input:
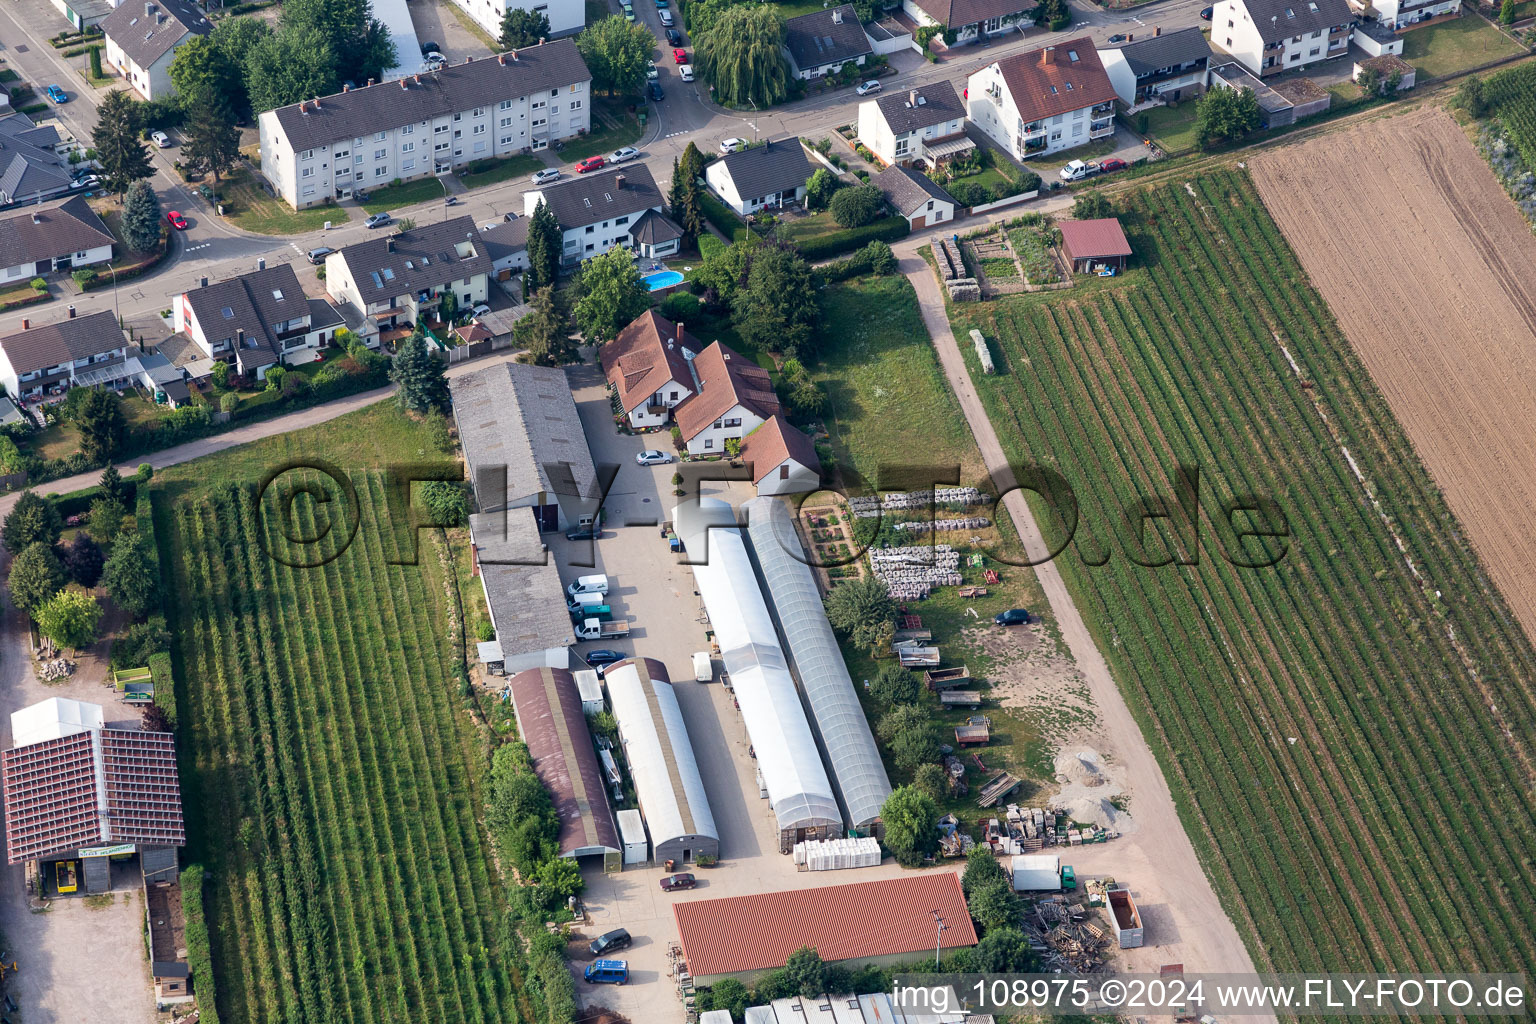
[(370, 82), (390, 242), (418, 79), (513, 54), (346, 86), (71, 312), (837, 16), (202, 282), (501, 59), (149, 10), (1048, 55), (240, 338), (1157, 30), (317, 102), (37, 218), (303, 108), (618, 181), (679, 330), (261, 264), (404, 83), (26, 324), (541, 40), (912, 97)]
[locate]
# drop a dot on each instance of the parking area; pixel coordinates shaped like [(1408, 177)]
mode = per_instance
[(435, 22)]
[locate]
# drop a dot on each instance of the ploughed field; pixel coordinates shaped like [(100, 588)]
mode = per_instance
[(1328, 723)]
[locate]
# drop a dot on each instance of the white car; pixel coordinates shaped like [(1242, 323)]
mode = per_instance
[(651, 73), (868, 87), (622, 154), (687, 72), (666, 18), (733, 145), (436, 59), (546, 176), (160, 139), (481, 309), (653, 457)]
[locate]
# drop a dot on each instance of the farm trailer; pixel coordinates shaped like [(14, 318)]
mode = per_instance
[(945, 678), (1125, 918)]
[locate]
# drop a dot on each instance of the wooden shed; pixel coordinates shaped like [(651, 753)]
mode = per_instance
[(1090, 244)]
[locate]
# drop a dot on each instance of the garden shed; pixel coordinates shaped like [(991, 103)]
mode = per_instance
[(1090, 244)]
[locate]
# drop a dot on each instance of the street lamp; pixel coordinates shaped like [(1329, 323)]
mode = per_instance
[(938, 937)]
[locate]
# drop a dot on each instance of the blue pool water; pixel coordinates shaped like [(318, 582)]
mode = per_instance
[(665, 279)]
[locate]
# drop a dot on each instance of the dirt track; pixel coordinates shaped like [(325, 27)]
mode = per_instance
[(1427, 266)]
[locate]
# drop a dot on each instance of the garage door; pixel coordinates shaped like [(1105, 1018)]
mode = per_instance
[(548, 517)]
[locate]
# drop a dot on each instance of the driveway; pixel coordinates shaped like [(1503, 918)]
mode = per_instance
[(435, 23)]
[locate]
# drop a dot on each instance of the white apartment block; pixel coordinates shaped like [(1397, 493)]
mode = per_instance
[(1044, 101), (1271, 36), (566, 17)]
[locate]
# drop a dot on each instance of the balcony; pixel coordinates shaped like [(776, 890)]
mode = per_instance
[(1034, 131), (1103, 110), (1031, 145), (1101, 132)]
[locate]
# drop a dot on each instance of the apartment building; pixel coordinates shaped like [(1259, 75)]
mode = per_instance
[(1044, 101), (1271, 36), (425, 124)]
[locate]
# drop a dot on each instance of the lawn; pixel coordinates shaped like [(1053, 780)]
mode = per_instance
[(61, 440), (613, 125), (503, 169), (1311, 699), (1047, 167), (1450, 46), (388, 198), (247, 205), (1172, 128)]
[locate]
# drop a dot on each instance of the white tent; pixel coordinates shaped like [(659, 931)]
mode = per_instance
[(53, 719)]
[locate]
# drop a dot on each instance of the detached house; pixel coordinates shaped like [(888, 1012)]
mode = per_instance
[(75, 351), (650, 367), (821, 42), (735, 396), (1168, 67), (925, 124), (1044, 101), (1271, 36), (971, 19), (783, 459), (393, 281), (60, 235), (614, 206), (769, 175), (142, 37), (915, 196), (257, 320), (31, 168)]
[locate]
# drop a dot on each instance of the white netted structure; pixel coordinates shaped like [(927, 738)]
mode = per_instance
[(798, 789), (836, 714)]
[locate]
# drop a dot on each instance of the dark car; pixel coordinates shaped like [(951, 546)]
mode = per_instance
[(428, 46), (1111, 165), (674, 37), (1118, 37), (656, 94), (1206, 12), (609, 942), (583, 533), (672, 883), (604, 656), (1012, 617)]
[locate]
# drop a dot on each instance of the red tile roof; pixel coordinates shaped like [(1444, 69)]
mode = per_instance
[(726, 379), (773, 442), (1045, 89), (645, 356), (842, 922), (1092, 239)]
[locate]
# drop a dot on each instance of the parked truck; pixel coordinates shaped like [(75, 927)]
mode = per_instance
[(1041, 872), (1077, 170), (1125, 919), (597, 629)]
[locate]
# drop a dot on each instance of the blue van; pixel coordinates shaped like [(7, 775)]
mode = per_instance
[(607, 972)]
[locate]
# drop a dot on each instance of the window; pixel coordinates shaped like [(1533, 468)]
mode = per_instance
[(458, 133), (540, 122), (733, 422), (590, 229), (617, 221), (477, 112), (380, 154), (308, 154), (930, 204), (576, 87), (784, 469), (504, 105), (342, 154), (1077, 130), (439, 129), (1315, 51), (409, 165), (307, 172), (409, 129), (575, 104), (381, 136), (458, 115), (506, 140), (358, 159), (671, 396), (440, 147), (409, 147), (379, 172), (479, 129), (1317, 34), (709, 442), (480, 146), (506, 122)]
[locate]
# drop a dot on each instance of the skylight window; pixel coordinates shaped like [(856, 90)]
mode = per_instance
[(377, 281), (1053, 90), (389, 273), (409, 265), (277, 293), (1290, 13), (1072, 55), (1069, 87), (229, 314), (424, 260)]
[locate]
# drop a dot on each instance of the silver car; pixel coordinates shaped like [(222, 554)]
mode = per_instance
[(622, 154)]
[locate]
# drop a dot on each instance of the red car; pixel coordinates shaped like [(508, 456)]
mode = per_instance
[(176, 220), (674, 882), (591, 163), (680, 56), (1112, 164)]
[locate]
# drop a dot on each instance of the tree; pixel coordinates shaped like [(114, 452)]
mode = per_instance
[(519, 28), (1004, 950), (234, 39), (612, 295), (209, 141), (1225, 114), (819, 189), (691, 216), (856, 206), (931, 779), (900, 719), (727, 994), (993, 903), (102, 425), (83, 560), (1055, 13), (112, 486), (544, 246), (862, 610), (1471, 97), (419, 376), (123, 156), (69, 618), (981, 867), (132, 575), (1507, 12), (894, 685), (1092, 205), (445, 502), (807, 972), (560, 877), (141, 217), (739, 55), (915, 746), (31, 519), (1369, 81), (778, 309), (287, 66), (616, 53), (203, 72), (911, 824), (106, 519), (360, 46), (881, 259), (549, 342), (140, 642), (36, 576)]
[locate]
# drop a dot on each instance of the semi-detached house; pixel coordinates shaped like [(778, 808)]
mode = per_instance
[(426, 124), (60, 355), (1044, 101), (392, 281), (1271, 36)]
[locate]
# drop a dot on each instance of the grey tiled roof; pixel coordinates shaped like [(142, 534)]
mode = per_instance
[(522, 582), (906, 189), (506, 238), (28, 165), (959, 13), (1153, 53), (249, 303), (425, 257), (772, 167), (48, 230), (479, 83), (916, 109), (1281, 19), (146, 29), (72, 338), (601, 195), (653, 228), (815, 39)]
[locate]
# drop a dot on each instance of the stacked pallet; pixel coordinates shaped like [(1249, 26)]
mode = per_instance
[(964, 523), (911, 573)]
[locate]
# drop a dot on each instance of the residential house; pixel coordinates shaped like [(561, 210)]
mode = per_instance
[(57, 235), (601, 209), (1044, 101), (1271, 36), (566, 17), (649, 366), (821, 42), (391, 281), (507, 245), (972, 20), (655, 234), (31, 169), (769, 175), (425, 124), (915, 196), (49, 358), (256, 321), (734, 397), (1397, 14), (783, 459), (142, 37), (922, 125), (1168, 67)]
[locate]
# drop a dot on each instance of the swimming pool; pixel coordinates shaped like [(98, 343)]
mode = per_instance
[(665, 279)]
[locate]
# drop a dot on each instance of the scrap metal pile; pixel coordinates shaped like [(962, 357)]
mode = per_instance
[(1065, 937), (911, 572)]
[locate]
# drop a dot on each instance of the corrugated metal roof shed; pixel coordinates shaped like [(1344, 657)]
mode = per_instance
[(550, 721)]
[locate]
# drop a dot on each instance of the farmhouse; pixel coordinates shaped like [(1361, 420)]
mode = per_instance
[(766, 176), (391, 281), (783, 459), (971, 19), (1386, 66), (649, 366), (821, 42), (142, 37), (915, 196), (257, 320), (1091, 244), (746, 936), (600, 210), (78, 350), (921, 125), (734, 396), (58, 235), (31, 168), (1271, 36), (1044, 101), (1168, 67)]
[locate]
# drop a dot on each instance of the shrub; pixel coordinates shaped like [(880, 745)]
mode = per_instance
[(886, 229), (39, 285), (856, 206), (681, 307), (84, 277), (718, 214)]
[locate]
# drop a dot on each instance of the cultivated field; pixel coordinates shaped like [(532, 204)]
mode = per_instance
[(1449, 333), (329, 768), (1325, 723)]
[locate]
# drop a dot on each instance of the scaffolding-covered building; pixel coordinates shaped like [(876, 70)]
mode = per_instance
[(837, 718), (798, 789), (661, 761)]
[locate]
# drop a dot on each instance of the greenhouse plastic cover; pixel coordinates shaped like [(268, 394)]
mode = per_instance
[(798, 788), (838, 717)]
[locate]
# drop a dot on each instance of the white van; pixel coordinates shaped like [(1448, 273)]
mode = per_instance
[(586, 599), (703, 668), (589, 585)]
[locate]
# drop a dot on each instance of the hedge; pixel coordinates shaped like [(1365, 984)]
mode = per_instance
[(102, 280), (25, 300), (80, 51), (720, 215), (199, 957), (886, 230), (165, 686), (77, 503)]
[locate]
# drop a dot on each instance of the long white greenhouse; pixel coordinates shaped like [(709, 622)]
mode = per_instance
[(798, 790), (836, 715)]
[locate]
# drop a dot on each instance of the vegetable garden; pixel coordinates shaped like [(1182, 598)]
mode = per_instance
[(1347, 733), (330, 772)]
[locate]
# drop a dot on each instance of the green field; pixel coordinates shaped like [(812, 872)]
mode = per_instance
[(1512, 99), (330, 770), (1450, 46), (1324, 723)]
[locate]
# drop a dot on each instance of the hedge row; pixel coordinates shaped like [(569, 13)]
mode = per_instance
[(721, 216), (165, 686), (25, 300), (887, 229), (80, 51), (101, 280), (196, 936)]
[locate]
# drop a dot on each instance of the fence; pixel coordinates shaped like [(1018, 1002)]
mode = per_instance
[(1022, 197)]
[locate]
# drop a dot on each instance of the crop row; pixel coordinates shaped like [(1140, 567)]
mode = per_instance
[(1512, 96)]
